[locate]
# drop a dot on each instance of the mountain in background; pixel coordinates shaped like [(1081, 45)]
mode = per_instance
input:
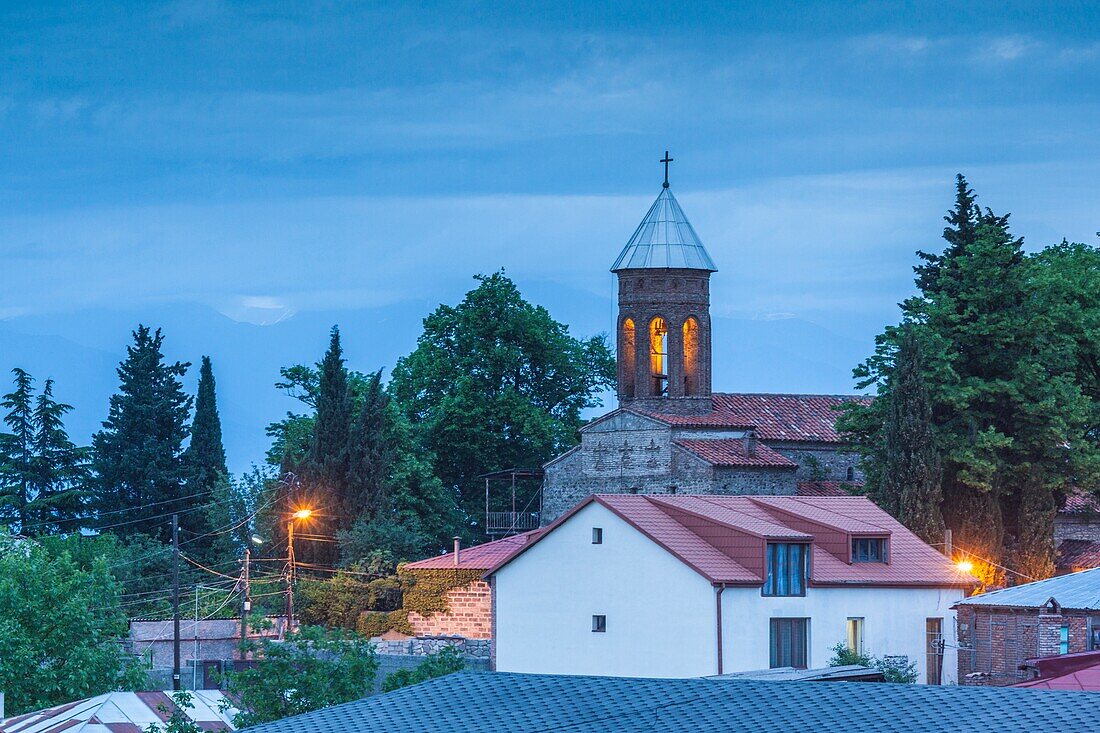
[(81, 350)]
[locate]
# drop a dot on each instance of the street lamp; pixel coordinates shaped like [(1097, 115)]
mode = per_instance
[(301, 515)]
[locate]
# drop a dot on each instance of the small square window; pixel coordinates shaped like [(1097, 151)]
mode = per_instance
[(597, 535), (599, 624)]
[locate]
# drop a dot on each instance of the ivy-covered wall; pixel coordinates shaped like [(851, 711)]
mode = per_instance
[(436, 602)]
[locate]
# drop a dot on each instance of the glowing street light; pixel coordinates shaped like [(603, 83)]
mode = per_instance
[(964, 566), (301, 514)]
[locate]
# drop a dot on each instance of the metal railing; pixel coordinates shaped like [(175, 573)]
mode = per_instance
[(510, 522)]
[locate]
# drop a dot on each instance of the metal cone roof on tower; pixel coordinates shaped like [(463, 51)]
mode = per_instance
[(664, 240)]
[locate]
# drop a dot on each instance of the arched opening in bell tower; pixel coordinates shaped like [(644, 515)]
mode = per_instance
[(627, 361), (658, 356), (691, 357)]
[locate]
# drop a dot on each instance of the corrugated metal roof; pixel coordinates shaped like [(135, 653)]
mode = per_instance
[(503, 702), (478, 557), (1080, 591), (115, 712), (664, 240)]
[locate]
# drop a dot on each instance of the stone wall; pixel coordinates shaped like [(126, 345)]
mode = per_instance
[(820, 461), (1076, 527), (993, 643), (421, 646), (754, 481), (469, 614)]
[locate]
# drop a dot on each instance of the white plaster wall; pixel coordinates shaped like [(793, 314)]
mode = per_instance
[(660, 613), (894, 623)]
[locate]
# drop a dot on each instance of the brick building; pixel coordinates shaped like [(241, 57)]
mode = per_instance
[(1077, 533), (672, 434), (469, 607), (999, 631)]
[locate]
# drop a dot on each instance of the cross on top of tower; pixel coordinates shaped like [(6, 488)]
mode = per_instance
[(666, 160)]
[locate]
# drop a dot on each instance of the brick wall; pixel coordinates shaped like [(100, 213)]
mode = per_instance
[(469, 614), (994, 642)]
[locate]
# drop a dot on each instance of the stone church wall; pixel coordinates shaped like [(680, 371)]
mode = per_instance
[(754, 481), (819, 461)]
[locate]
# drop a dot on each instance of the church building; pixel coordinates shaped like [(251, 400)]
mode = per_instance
[(671, 433)]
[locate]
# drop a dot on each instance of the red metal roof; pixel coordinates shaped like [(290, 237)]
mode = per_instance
[(1083, 680), (795, 417), (829, 488), (123, 712), (723, 537), (478, 557), (731, 452)]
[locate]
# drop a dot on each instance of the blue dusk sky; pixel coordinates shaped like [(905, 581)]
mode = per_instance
[(266, 161)]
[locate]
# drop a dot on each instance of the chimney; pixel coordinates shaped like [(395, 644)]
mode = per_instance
[(458, 549), (749, 442)]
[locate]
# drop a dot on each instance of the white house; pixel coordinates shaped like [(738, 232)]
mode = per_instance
[(688, 586)]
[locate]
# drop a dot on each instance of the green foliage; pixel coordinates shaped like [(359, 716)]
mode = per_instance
[(207, 478), (894, 669), (1007, 361), (137, 455), (376, 623), (312, 669), (42, 473), (444, 662), (61, 629), (425, 589), (909, 485), (495, 382), (178, 720)]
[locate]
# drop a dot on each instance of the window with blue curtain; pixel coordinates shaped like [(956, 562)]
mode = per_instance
[(786, 569)]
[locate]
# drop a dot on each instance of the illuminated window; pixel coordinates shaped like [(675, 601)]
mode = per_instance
[(658, 356), (691, 357), (855, 635), (626, 357)]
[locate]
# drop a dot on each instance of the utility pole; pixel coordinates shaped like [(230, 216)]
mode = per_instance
[(175, 602), (290, 576), (246, 604)]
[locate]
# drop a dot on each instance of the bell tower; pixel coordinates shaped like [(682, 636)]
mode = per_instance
[(663, 329)]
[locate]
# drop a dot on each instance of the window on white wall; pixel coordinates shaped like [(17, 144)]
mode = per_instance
[(789, 642), (855, 635), (597, 535), (599, 624)]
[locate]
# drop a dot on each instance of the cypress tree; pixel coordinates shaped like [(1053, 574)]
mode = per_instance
[(204, 460), (370, 455), (137, 455), (17, 449), (60, 469), (910, 488), (324, 476)]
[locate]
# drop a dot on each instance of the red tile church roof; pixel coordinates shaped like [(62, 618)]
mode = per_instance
[(722, 537), (830, 488), (1074, 555), (732, 452), (794, 417)]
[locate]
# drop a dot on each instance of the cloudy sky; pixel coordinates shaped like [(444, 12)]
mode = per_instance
[(272, 158)]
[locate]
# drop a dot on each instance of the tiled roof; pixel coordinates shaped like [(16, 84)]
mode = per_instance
[(1078, 591), (1080, 501), (793, 417), (731, 452), (1076, 555), (503, 702), (829, 488), (122, 712), (722, 537), (478, 557)]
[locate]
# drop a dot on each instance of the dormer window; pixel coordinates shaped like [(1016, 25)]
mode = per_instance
[(786, 566), (869, 549)]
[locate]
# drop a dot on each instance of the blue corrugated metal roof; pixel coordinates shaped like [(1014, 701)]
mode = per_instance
[(665, 239), (1077, 590), (514, 703)]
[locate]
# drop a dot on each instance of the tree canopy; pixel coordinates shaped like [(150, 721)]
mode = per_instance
[(495, 382), (1006, 360)]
